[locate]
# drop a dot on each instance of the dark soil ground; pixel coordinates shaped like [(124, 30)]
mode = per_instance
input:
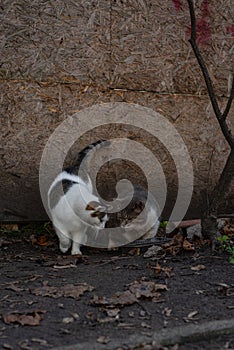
[(41, 304)]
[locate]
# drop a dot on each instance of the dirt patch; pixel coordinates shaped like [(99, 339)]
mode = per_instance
[(48, 300)]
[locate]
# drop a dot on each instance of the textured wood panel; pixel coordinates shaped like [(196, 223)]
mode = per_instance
[(58, 58)]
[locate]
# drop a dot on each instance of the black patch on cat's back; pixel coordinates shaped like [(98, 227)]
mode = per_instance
[(57, 193), (67, 184)]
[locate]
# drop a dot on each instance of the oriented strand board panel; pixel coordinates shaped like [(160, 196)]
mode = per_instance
[(150, 49), (58, 58)]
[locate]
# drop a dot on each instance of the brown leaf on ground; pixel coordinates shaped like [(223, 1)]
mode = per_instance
[(103, 339), (10, 227), (32, 318), (69, 290), (228, 230), (134, 251), (136, 291), (12, 286), (144, 289), (198, 267), (41, 240), (167, 311), (158, 270), (118, 299), (173, 250), (187, 245), (112, 312), (69, 261), (177, 240), (177, 244)]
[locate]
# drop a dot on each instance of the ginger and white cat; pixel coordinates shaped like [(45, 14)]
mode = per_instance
[(135, 220), (76, 208)]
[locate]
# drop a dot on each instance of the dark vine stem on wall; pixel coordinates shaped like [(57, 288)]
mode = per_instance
[(220, 191)]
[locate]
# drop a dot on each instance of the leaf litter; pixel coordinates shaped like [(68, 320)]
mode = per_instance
[(30, 318), (67, 291), (111, 306), (136, 291)]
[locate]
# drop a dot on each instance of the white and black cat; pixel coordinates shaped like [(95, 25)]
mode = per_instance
[(75, 209)]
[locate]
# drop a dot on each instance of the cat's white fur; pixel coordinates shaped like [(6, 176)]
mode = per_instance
[(135, 225), (70, 216)]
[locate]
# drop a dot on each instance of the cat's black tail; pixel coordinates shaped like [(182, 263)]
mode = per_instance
[(82, 154)]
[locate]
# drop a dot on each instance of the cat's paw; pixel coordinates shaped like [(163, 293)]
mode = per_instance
[(76, 252), (64, 248), (76, 249)]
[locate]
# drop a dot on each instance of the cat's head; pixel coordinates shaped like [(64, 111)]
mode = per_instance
[(97, 214), (130, 216)]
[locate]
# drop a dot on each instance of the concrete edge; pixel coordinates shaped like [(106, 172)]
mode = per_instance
[(164, 337)]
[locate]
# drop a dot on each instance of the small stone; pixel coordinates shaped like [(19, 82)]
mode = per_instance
[(142, 313), (194, 230), (153, 251), (67, 320), (7, 346)]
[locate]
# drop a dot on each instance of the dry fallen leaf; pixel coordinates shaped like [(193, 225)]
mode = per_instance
[(158, 269), (103, 339), (146, 289), (167, 311), (137, 290), (135, 251), (187, 245), (68, 290), (31, 318), (198, 267), (228, 230), (106, 319), (177, 244), (41, 240), (118, 299), (174, 250), (10, 227), (12, 286), (112, 312), (64, 262)]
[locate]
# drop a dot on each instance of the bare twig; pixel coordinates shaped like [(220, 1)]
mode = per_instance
[(220, 191), (220, 117), (230, 99)]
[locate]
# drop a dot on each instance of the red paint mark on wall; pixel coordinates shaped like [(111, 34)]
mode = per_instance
[(205, 8), (203, 30), (230, 30), (177, 4)]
